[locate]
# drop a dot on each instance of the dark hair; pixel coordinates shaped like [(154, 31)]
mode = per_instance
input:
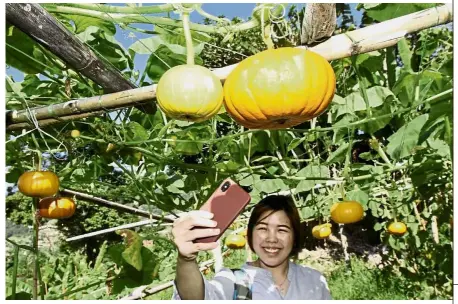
[(277, 203)]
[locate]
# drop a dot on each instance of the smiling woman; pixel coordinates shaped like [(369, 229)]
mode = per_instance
[(274, 235)]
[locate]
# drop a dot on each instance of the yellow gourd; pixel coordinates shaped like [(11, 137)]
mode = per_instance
[(347, 212), (56, 207), (397, 228), (189, 92), (321, 231), (38, 183)]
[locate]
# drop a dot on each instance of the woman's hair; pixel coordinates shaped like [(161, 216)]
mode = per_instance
[(277, 203)]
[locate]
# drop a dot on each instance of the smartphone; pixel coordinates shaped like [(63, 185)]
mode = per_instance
[(226, 203)]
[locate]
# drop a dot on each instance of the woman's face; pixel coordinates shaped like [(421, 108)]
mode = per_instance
[(273, 238)]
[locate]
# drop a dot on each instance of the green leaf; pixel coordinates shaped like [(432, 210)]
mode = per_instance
[(29, 50), (295, 142), (270, 185), (359, 196), (378, 226), (440, 146), (339, 154), (386, 11), (174, 42), (162, 60), (132, 254), (312, 171), (82, 23), (135, 132), (405, 53), (405, 139)]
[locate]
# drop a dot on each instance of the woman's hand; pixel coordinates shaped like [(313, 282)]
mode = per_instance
[(183, 235)]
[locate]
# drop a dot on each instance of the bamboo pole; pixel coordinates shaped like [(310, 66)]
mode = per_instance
[(114, 205), (360, 41), (105, 231)]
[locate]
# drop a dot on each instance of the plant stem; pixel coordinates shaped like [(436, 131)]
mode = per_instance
[(153, 9), (135, 18), (188, 37), (35, 247), (14, 274)]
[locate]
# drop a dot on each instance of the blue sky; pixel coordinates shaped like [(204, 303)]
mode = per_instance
[(230, 10)]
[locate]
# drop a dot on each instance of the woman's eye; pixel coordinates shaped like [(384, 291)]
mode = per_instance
[(284, 231), (261, 228)]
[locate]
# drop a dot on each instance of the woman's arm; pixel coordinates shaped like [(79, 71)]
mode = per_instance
[(188, 280)]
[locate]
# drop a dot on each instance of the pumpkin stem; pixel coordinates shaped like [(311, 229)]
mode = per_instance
[(188, 37)]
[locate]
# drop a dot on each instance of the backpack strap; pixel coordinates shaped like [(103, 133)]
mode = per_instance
[(242, 285)]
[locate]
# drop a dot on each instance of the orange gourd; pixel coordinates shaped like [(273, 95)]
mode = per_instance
[(56, 207), (279, 88), (38, 183), (397, 228), (347, 212)]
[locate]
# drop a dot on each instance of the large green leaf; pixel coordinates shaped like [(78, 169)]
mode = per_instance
[(175, 42), (135, 132), (83, 22), (435, 126), (386, 11), (312, 171), (270, 185), (406, 53), (162, 60), (21, 51), (354, 102), (405, 139), (132, 254), (106, 47)]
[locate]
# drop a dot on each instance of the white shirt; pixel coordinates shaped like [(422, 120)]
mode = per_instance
[(305, 283)]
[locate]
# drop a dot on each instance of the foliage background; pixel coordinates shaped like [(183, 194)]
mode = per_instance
[(398, 165)]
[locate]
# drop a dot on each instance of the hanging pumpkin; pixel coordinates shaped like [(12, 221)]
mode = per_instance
[(244, 232), (397, 228), (321, 231), (189, 92), (38, 183), (347, 212), (235, 241), (279, 88), (56, 207)]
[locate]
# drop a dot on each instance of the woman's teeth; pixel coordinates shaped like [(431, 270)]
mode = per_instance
[(271, 250)]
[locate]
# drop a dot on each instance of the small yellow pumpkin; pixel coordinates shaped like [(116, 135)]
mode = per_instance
[(189, 92), (235, 241), (347, 212), (56, 207), (279, 88), (38, 183), (321, 231), (397, 228)]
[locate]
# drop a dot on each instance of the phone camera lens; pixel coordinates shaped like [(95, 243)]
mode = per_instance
[(225, 186)]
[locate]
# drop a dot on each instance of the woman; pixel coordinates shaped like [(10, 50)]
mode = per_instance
[(273, 234)]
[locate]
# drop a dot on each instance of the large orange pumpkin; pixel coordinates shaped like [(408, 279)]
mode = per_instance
[(347, 212), (189, 92), (56, 207), (279, 88), (38, 183)]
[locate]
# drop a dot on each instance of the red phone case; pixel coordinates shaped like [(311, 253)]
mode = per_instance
[(226, 206)]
